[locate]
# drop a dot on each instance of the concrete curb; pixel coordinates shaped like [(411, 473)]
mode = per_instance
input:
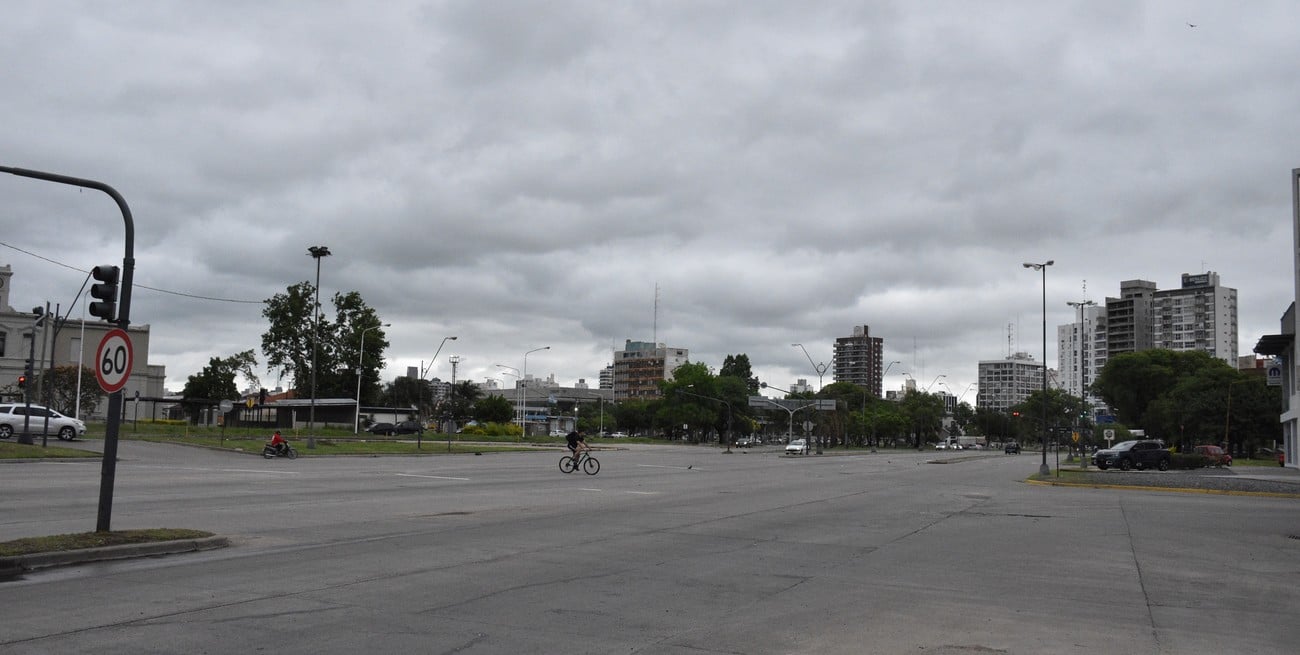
[(1180, 490), (18, 564)]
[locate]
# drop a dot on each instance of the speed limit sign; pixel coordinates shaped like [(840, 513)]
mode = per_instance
[(113, 360)]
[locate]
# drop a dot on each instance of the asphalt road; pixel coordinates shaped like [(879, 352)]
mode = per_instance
[(670, 549)]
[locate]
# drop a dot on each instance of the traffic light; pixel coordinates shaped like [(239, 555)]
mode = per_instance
[(22, 381), (1015, 414), (105, 292)]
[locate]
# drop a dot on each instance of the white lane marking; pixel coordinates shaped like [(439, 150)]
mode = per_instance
[(643, 493), (215, 470), (431, 477), (660, 466)]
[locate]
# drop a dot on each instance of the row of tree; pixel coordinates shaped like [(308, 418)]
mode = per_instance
[(1183, 397)]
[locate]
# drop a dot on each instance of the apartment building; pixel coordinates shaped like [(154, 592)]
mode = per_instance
[(1201, 315), (858, 359), (641, 366), (1077, 344), (1007, 382)]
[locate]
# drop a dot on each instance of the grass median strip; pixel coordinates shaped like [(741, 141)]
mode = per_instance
[(81, 540)]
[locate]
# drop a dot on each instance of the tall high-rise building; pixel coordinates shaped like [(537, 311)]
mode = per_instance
[(1129, 317), (858, 359), (1199, 316), (641, 365), (1076, 343), (607, 377), (1007, 382)]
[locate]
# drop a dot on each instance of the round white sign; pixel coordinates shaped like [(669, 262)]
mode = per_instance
[(226, 406), (113, 361)]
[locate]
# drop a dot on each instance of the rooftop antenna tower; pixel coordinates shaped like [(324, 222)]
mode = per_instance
[(654, 334)]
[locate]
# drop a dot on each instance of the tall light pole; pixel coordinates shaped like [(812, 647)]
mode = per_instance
[(316, 253), (963, 394), (820, 368), (454, 360), (1082, 362), (424, 370), (523, 387), (361, 354), (518, 386), (1043, 469), (864, 404), (936, 379)]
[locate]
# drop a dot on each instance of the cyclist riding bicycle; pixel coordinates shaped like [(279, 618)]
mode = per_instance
[(577, 443)]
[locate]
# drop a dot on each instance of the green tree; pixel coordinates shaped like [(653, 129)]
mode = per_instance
[(60, 389), (923, 413), (493, 409), (463, 396), (288, 342), (737, 366), (690, 399), (1131, 382), (216, 381)]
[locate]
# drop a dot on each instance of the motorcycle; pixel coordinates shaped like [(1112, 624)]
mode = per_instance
[(271, 452)]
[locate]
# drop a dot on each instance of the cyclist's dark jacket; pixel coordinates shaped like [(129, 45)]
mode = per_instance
[(573, 438)]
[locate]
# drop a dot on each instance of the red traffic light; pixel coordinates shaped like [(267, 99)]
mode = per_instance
[(1015, 414), (22, 381)]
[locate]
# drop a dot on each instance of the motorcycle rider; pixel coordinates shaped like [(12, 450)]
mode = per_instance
[(278, 443)]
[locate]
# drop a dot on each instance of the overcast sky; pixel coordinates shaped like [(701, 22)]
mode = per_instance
[(527, 174)]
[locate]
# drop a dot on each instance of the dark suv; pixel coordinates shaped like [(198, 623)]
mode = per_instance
[(1146, 453), (391, 429)]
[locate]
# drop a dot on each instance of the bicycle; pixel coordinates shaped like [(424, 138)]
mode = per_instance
[(589, 465)]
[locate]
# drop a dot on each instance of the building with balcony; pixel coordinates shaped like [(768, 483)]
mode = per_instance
[(858, 359), (1007, 382), (641, 366)]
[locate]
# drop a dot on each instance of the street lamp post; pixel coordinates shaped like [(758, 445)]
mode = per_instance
[(821, 370), (1227, 420), (1082, 343), (1043, 469), (864, 404), (316, 253), (424, 370), (523, 384), (936, 379), (518, 377), (361, 354)]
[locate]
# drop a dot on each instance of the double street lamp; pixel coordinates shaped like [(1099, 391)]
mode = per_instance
[(316, 253), (820, 368), (864, 404), (361, 354), (523, 384), (1043, 469)]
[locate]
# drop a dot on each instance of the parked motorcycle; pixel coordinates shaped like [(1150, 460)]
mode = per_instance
[(271, 452)]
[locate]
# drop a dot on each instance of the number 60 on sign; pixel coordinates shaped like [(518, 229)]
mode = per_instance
[(113, 361)]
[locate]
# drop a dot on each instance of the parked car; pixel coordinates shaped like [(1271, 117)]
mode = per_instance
[(13, 417), (392, 429), (1214, 455), (1012, 448), (1139, 454), (746, 442), (797, 447)]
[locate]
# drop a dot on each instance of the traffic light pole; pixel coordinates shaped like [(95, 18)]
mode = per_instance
[(108, 470)]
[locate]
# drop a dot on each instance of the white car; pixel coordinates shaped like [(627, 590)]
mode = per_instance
[(14, 416), (797, 447)]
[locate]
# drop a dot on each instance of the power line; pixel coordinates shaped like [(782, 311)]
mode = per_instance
[(135, 285)]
